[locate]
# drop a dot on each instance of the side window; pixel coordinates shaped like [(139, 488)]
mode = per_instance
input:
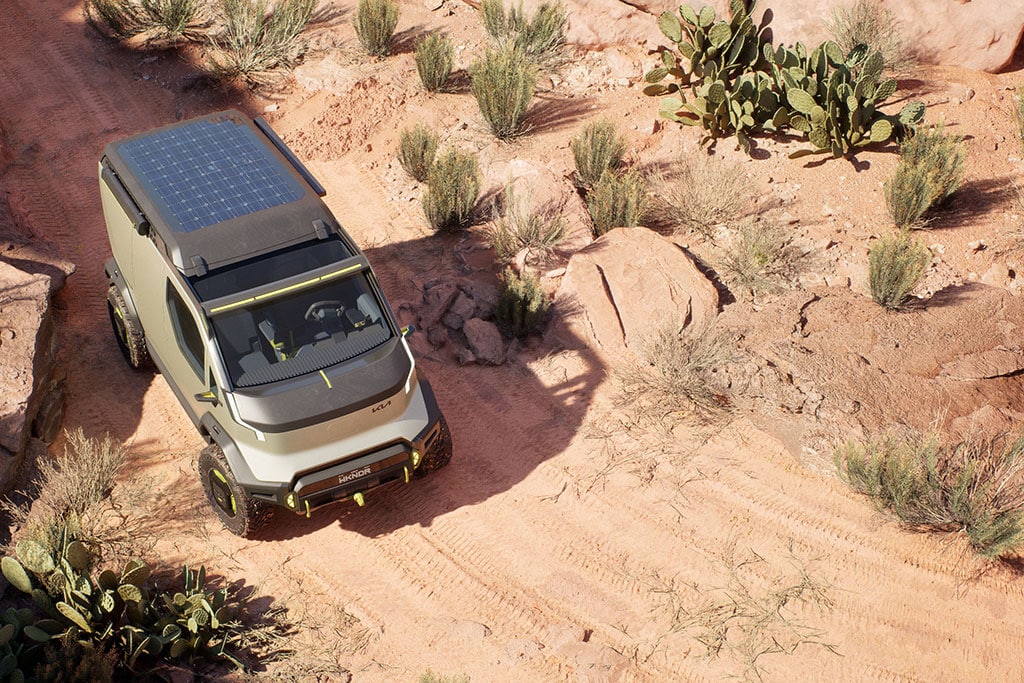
[(185, 330)]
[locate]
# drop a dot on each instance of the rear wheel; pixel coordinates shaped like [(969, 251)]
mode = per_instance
[(129, 335), (439, 453), (241, 514)]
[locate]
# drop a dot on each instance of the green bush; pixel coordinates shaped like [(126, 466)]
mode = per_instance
[(257, 41), (974, 486), (453, 187), (503, 82), (706, 192), (522, 305), (598, 148), (540, 38), (417, 147), (519, 227), (759, 253), (1018, 112), (375, 23), (618, 200), (869, 22), (168, 21), (930, 170), (908, 196), (896, 264), (434, 60)]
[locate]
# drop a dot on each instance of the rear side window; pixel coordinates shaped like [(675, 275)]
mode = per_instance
[(186, 332)]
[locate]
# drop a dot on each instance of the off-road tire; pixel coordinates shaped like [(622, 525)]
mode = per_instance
[(440, 453), (240, 514), (129, 336)]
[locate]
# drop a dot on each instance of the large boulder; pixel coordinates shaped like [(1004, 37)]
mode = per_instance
[(628, 283), (28, 381), (975, 34)]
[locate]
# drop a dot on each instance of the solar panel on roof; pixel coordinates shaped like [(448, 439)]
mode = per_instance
[(207, 172)]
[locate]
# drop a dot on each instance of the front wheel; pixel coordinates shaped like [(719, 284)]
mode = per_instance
[(438, 454), (241, 514)]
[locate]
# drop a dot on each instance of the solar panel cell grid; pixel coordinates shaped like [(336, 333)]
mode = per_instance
[(208, 172)]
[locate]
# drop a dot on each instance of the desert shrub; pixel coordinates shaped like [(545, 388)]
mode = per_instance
[(417, 147), (540, 38), (434, 60), (521, 227), (675, 373), (503, 82), (258, 40), (429, 676), (375, 23), (163, 20), (706, 192), (618, 200), (941, 158), (896, 264), (869, 22), (522, 305), (598, 148), (907, 196), (973, 486), (759, 254), (453, 187), (1018, 113)]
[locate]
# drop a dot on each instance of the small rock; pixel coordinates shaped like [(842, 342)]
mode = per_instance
[(975, 246), (463, 307), (437, 336), (465, 356), (436, 301), (486, 298), (485, 341), (269, 108), (433, 5)]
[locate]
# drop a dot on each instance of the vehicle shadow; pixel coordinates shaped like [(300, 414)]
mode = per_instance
[(505, 420)]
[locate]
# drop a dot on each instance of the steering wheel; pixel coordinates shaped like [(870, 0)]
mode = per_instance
[(317, 310)]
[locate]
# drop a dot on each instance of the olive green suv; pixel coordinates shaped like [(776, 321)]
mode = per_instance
[(232, 277)]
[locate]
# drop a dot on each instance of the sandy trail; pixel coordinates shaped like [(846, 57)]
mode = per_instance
[(562, 543)]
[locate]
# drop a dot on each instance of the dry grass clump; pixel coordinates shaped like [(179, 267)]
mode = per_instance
[(417, 147), (453, 186), (706, 192), (435, 58), (520, 227), (617, 200), (869, 22), (598, 148), (164, 21), (677, 367), (974, 486), (930, 170), (258, 40), (1018, 113), (522, 305), (896, 265), (540, 38), (375, 23), (759, 254), (503, 82)]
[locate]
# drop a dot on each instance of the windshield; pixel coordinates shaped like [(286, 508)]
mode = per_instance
[(304, 331)]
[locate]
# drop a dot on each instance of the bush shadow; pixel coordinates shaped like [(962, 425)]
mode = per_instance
[(555, 113), (975, 199)]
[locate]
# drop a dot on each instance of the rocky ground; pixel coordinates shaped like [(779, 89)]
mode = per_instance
[(574, 536)]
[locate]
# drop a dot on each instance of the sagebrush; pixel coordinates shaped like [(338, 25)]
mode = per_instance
[(705, 192), (1018, 113), (375, 23), (974, 486), (518, 227), (869, 22), (417, 147), (503, 82), (259, 40), (453, 187), (759, 254), (539, 38), (522, 305), (435, 58), (896, 265), (617, 200), (159, 21), (930, 170), (598, 148)]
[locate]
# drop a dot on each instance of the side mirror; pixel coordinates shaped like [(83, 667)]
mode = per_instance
[(407, 331), (208, 397)]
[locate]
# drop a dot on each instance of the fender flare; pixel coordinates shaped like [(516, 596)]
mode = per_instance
[(115, 278), (214, 433)]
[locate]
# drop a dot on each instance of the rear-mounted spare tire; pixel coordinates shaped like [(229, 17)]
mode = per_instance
[(240, 514)]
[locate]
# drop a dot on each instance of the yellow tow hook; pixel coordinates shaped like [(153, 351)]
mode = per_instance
[(308, 515), (358, 498), (406, 470)]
